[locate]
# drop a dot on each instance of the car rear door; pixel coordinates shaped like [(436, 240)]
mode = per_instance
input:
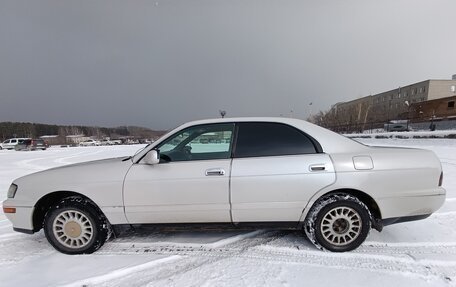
[(276, 169)]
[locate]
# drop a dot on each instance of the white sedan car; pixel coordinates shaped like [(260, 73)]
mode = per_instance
[(90, 142), (275, 172)]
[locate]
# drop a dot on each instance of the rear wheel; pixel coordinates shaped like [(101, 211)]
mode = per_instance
[(75, 226), (338, 222)]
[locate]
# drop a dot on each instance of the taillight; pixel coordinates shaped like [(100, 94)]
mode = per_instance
[(441, 179)]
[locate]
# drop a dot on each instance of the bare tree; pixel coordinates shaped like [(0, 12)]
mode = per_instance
[(222, 113)]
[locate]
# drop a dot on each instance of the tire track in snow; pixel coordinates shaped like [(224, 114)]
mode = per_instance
[(26, 163), (55, 158), (368, 249), (166, 247), (408, 248), (119, 273), (64, 160), (113, 248), (361, 259), (188, 263), (426, 269), (9, 235)]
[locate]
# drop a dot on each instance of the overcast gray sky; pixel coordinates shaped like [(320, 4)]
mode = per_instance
[(160, 63)]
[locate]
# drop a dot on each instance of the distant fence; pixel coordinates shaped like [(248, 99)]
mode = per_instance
[(414, 124)]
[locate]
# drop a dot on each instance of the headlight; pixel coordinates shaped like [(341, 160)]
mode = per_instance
[(12, 190)]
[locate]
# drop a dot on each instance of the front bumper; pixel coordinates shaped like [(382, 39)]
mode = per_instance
[(27, 231), (22, 219)]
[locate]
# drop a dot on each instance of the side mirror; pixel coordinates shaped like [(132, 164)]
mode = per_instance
[(152, 157)]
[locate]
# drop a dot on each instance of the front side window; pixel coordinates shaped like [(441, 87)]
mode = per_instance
[(271, 139), (202, 142)]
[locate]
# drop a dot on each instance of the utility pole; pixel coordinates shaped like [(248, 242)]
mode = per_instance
[(408, 113)]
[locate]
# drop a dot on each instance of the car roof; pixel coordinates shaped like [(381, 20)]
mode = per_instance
[(248, 119), (330, 142), (19, 139)]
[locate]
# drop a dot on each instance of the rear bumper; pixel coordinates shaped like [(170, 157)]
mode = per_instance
[(389, 221), (411, 207)]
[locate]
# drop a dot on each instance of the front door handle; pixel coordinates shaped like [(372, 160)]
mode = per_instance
[(215, 171), (317, 167)]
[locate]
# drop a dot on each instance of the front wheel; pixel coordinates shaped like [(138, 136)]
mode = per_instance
[(338, 222), (74, 226)]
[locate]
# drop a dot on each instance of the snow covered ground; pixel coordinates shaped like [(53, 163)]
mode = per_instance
[(421, 253)]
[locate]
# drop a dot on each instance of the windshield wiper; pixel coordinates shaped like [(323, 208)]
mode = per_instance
[(127, 158), (138, 151)]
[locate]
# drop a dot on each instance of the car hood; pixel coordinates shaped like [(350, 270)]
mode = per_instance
[(100, 180), (91, 171)]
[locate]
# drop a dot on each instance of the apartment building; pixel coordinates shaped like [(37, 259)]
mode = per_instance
[(400, 103)]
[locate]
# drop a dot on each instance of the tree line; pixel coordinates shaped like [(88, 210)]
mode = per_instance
[(36, 130)]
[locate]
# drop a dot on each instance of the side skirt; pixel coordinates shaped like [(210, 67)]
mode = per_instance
[(282, 225)]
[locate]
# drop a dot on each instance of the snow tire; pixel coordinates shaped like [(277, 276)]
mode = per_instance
[(76, 214), (338, 222)]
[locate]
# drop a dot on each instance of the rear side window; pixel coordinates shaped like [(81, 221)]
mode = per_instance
[(271, 139)]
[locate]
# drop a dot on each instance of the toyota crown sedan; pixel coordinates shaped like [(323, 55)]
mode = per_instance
[(275, 172)]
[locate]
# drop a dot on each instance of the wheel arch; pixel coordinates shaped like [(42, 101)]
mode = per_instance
[(374, 209), (45, 202)]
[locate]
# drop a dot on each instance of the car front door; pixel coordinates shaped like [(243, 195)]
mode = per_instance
[(191, 182), (276, 169), (12, 143)]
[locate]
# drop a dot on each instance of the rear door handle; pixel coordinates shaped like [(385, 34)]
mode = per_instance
[(317, 167), (215, 171)]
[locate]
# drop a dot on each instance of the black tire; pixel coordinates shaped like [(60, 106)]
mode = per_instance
[(338, 222), (76, 226)]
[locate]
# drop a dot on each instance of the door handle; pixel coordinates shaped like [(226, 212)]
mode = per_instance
[(317, 167), (215, 171)]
